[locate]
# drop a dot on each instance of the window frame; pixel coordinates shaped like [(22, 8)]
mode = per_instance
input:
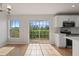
[(9, 27)]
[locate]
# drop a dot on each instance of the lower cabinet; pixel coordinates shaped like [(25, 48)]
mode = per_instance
[(60, 40), (75, 48)]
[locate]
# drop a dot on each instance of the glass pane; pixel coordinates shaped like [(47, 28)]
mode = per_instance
[(39, 31), (14, 30), (44, 29)]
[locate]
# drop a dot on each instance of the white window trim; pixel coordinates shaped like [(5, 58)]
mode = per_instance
[(12, 38)]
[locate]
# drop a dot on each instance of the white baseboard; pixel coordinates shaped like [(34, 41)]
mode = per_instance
[(51, 42), (14, 42), (3, 44)]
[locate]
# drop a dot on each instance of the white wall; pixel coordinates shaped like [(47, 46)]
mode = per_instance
[(24, 27), (3, 29)]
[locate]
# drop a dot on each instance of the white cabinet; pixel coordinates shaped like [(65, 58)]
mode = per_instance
[(77, 21), (60, 40), (75, 48), (75, 18), (60, 18)]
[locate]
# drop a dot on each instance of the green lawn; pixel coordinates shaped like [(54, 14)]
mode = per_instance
[(14, 32), (35, 33)]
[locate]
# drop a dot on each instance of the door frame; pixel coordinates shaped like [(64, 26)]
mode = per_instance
[(38, 20)]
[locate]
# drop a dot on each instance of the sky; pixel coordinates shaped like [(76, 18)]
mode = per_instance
[(16, 23), (39, 23)]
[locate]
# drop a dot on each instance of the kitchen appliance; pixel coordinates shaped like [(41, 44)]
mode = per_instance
[(68, 24), (66, 29)]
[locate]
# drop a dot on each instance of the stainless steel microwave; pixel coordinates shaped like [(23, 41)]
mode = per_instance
[(68, 24)]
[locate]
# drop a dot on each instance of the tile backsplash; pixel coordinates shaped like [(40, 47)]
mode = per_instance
[(75, 30)]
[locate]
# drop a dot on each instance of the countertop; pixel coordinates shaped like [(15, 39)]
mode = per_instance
[(73, 37)]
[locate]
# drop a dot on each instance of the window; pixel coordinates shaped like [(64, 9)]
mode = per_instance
[(14, 28)]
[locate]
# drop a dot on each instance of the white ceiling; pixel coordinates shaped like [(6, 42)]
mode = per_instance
[(43, 8)]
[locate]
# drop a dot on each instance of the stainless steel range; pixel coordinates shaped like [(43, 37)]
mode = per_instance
[(66, 29)]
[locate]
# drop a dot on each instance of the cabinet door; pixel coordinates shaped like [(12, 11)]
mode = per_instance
[(75, 48), (76, 21), (57, 40), (60, 40), (75, 18), (58, 21)]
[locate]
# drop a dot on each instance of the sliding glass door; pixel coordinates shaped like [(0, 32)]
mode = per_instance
[(39, 31)]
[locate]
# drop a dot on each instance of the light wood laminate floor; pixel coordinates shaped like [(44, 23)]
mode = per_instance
[(33, 50)]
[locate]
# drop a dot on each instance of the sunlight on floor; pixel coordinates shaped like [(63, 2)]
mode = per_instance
[(41, 50), (5, 50)]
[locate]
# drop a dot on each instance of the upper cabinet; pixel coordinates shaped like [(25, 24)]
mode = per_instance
[(77, 21), (58, 21)]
